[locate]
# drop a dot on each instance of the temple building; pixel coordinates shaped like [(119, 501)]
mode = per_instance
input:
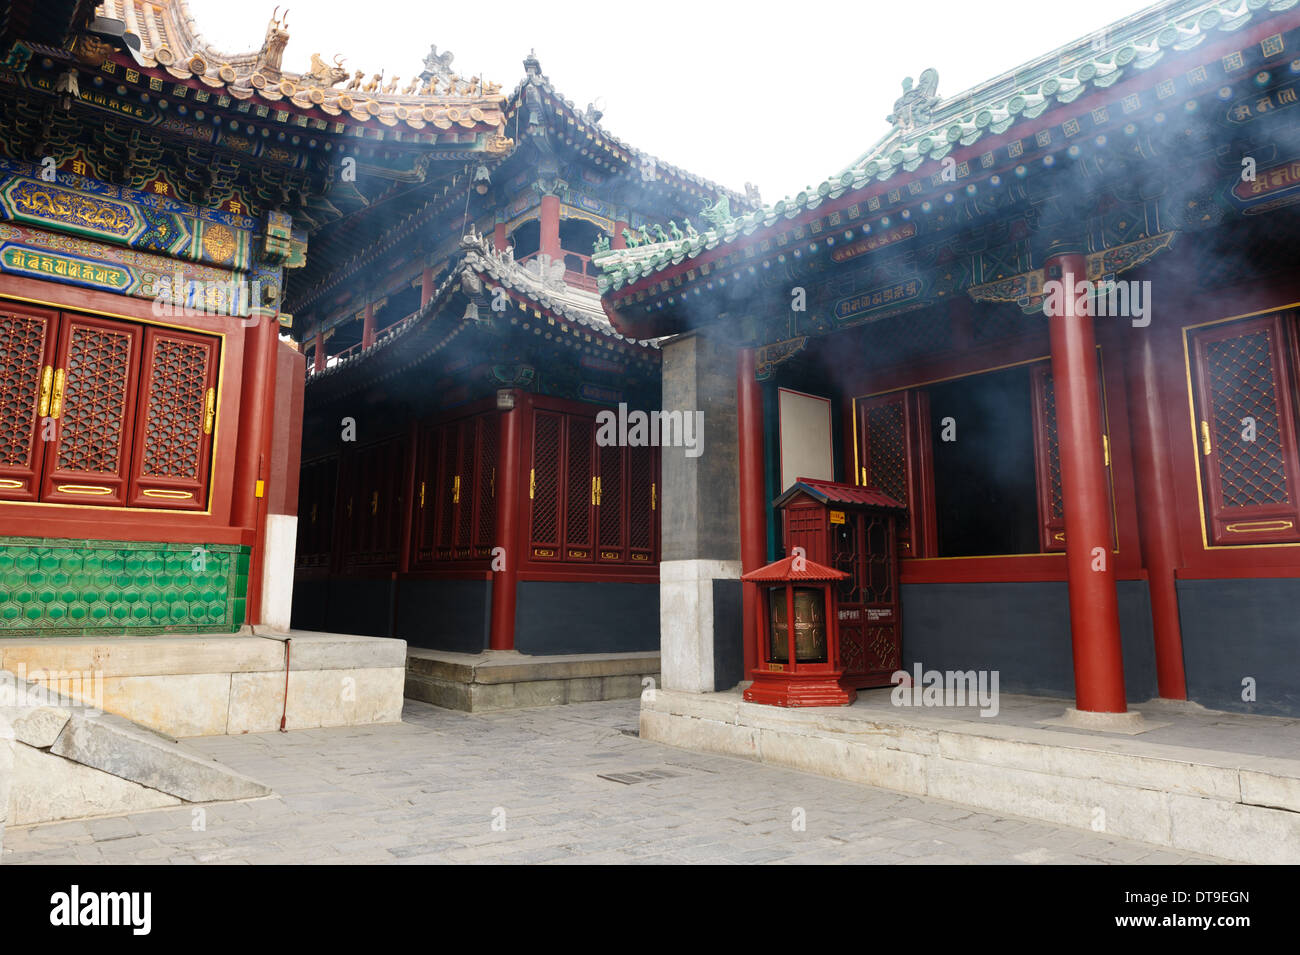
[(162, 204), (158, 203), (457, 490), (1053, 320)]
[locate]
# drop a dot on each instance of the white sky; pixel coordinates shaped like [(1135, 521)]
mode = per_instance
[(765, 91)]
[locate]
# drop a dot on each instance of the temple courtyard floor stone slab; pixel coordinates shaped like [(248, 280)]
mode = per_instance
[(555, 784)]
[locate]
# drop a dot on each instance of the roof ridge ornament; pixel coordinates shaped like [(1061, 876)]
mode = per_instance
[(915, 106), (437, 66), (271, 54), (532, 65), (719, 214)]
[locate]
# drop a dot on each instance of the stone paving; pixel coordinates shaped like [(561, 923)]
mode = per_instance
[(524, 786)]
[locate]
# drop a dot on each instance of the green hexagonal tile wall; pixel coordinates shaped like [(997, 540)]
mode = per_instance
[(51, 587)]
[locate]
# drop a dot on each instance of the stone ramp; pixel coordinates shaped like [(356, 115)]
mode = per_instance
[(60, 759), (1193, 791)]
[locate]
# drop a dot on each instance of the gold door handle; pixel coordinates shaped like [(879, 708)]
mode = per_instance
[(47, 381), (374, 502), (494, 484), (1105, 449), (532, 483), (421, 495), (56, 403), (593, 490), (209, 410), (455, 489), (1205, 438), (652, 497)]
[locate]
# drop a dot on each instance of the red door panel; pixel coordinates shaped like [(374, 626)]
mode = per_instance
[(28, 337), (891, 429), (643, 505), (178, 389), (580, 499), (544, 486), (611, 503), (1247, 432), (93, 403)]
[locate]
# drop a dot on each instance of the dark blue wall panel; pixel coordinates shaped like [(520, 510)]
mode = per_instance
[(586, 617), (1234, 629), (451, 615), (1022, 630)]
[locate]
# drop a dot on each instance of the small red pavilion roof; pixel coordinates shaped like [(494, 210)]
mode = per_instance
[(783, 570), (831, 492)]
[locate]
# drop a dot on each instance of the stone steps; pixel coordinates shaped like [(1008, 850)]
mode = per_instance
[(506, 679)]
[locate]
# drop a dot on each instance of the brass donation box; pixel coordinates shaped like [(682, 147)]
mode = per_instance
[(856, 631)]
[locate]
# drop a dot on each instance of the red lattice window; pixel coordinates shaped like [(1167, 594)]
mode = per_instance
[(316, 504), (590, 503), (544, 485), (93, 406), (1047, 455), (611, 509), (1051, 498), (101, 412), (643, 504), (1246, 430), (891, 458), (373, 504), (580, 482), (27, 340), (485, 485), (177, 414)]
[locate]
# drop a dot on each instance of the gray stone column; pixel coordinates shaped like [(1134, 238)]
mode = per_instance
[(699, 572)]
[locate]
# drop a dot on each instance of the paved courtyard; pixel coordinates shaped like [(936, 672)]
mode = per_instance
[(525, 786)]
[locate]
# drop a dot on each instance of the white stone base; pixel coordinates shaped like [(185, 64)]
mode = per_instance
[(1131, 723), (214, 685), (277, 571), (686, 621), (1235, 806)]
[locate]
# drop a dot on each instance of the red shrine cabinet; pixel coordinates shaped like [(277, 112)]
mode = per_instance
[(854, 530)]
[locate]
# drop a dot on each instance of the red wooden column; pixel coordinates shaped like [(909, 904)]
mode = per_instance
[(618, 241), (753, 509), (426, 286), (318, 354), (255, 432), (499, 238), (508, 510), (368, 326), (1094, 606), (550, 227), (1157, 508)]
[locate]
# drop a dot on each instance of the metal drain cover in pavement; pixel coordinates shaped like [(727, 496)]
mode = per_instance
[(646, 776)]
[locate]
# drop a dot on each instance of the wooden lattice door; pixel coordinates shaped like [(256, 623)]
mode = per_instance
[(1247, 432), (863, 545), (27, 354), (92, 404), (177, 411)]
